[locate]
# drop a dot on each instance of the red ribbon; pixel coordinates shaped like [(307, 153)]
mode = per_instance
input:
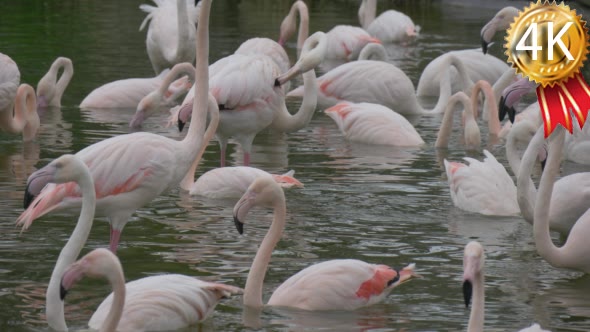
[(556, 102)]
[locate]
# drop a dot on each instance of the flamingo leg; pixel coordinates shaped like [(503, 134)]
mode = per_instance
[(115, 237), (246, 158), (223, 156)]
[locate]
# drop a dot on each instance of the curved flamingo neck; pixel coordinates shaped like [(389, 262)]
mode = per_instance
[(64, 79), (525, 188), (300, 8), (285, 122), (476, 317), (54, 306), (178, 71), (117, 281), (553, 255), (253, 289), (25, 119), (445, 82), (373, 51), (189, 179), (491, 110), (444, 133)]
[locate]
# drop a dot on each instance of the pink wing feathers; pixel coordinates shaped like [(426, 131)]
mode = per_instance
[(342, 284)]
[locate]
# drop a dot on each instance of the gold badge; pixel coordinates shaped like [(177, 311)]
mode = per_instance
[(548, 44)]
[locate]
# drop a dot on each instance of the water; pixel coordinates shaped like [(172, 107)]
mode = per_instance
[(379, 204)]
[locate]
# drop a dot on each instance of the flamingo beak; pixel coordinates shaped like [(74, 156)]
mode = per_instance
[(484, 46), (36, 182), (504, 109), (467, 292), (239, 225), (407, 273), (72, 275)]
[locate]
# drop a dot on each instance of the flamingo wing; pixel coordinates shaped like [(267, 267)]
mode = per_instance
[(164, 303), (342, 284), (345, 42), (226, 182), (128, 171), (482, 186), (373, 124), (392, 27), (125, 93)]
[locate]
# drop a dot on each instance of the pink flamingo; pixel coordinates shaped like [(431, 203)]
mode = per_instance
[(575, 252), (471, 134), (156, 303), (373, 124), (571, 199), (50, 89), (382, 83), (9, 81), (341, 284), (129, 171), (500, 22), (246, 109), (344, 41), (390, 26), (24, 119), (128, 93), (232, 182), (473, 286)]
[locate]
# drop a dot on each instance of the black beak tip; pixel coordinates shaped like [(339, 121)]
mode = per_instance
[(502, 108), (484, 46), (543, 164), (277, 82), (239, 225), (62, 292), (180, 125), (467, 292), (511, 114), (28, 199)]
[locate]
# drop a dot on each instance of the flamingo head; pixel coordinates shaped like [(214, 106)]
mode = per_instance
[(64, 169), (312, 54), (97, 263), (501, 22), (45, 92), (542, 155), (511, 95), (148, 106), (184, 114), (473, 261), (264, 191), (287, 180)]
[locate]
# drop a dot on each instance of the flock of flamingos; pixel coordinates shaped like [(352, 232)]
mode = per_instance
[(243, 94)]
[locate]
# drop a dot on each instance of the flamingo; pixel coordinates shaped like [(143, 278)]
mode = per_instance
[(156, 303), (473, 285), (340, 284), (390, 26), (500, 22), (50, 89), (486, 187), (373, 124), (129, 171), (171, 32), (512, 94), (24, 119), (571, 199), (344, 41), (380, 83), (63, 170), (151, 103), (129, 93), (232, 182), (575, 252), (169, 89), (478, 66), (249, 108), (472, 134)]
